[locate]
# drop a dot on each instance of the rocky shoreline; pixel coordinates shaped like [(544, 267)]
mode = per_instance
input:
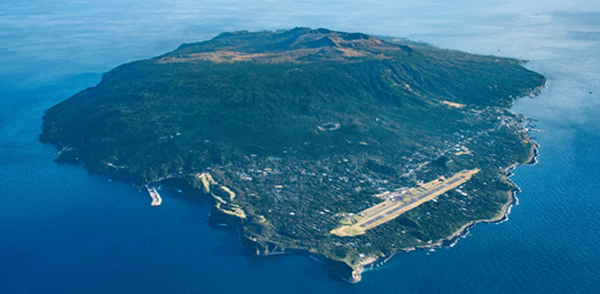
[(347, 273), (501, 216), (154, 147), (339, 268)]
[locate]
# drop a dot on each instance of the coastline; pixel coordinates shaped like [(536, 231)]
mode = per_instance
[(500, 217), (370, 261), (351, 271), (339, 268)]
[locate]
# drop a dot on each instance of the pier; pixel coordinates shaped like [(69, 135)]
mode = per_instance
[(156, 200)]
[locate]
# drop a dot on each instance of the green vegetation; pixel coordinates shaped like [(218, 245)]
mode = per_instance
[(303, 125)]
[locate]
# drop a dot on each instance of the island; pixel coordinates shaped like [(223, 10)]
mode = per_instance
[(343, 146)]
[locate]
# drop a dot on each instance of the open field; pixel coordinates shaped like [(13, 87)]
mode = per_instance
[(399, 203)]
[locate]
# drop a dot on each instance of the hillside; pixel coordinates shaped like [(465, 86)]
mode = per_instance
[(284, 132)]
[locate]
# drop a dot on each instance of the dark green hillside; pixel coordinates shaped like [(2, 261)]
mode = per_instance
[(302, 125)]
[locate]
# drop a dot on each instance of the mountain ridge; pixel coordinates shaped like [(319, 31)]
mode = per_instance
[(297, 45)]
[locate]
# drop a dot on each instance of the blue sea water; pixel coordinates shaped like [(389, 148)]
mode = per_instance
[(64, 230)]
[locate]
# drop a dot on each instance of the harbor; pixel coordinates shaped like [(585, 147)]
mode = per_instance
[(156, 200)]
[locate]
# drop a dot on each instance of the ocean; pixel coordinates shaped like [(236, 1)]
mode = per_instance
[(65, 230)]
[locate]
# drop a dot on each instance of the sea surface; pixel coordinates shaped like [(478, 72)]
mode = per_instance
[(65, 230)]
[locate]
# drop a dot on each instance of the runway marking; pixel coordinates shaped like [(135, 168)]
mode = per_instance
[(400, 203)]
